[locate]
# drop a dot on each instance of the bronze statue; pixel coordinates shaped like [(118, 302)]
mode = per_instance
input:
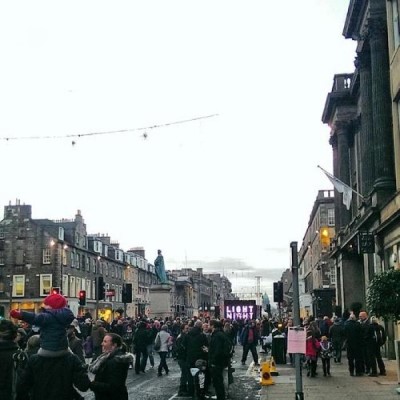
[(160, 268)]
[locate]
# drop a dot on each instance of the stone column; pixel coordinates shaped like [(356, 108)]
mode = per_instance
[(366, 162), (343, 165), (381, 104)]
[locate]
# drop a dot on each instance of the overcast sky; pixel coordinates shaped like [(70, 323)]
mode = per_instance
[(227, 193)]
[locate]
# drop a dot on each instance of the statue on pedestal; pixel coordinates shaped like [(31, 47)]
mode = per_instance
[(160, 268)]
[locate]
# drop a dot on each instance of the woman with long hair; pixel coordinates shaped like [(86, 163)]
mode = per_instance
[(111, 369)]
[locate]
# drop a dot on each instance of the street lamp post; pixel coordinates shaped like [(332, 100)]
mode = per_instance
[(296, 318)]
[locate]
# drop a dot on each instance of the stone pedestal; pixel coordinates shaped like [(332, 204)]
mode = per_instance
[(160, 301)]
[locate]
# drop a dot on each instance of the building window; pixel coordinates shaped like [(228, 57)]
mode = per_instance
[(60, 233), (78, 285), (46, 282), (332, 275), (65, 284), (1, 257), (88, 287), (18, 289), (331, 216), (47, 255), (2, 232), (72, 291)]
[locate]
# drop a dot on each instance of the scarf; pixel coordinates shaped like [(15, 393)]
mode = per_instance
[(98, 362)]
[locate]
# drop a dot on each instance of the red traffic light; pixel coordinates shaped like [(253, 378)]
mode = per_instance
[(82, 297)]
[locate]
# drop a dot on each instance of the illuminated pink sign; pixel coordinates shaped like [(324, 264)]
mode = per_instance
[(240, 309)]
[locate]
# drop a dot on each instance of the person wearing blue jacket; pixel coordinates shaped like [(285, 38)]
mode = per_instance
[(53, 322)]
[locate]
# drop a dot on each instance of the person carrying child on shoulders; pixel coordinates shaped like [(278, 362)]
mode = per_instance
[(326, 355), (53, 322)]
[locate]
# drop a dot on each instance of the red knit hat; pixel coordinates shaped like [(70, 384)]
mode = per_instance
[(55, 301)]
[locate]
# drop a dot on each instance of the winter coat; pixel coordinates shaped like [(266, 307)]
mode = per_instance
[(312, 347), (336, 333), (353, 334), (166, 340), (52, 378), (53, 324), (76, 347), (141, 338), (194, 342), (97, 335), (244, 337), (110, 380), (325, 349), (219, 353), (7, 349)]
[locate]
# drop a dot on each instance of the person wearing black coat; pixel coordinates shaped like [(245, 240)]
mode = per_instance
[(249, 339), (353, 334), (380, 340), (140, 342), (196, 344), (217, 359), (368, 344), (52, 378), (8, 333), (111, 370)]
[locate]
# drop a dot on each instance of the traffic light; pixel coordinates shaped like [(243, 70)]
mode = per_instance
[(100, 288), (278, 292), (127, 293), (55, 290), (324, 236), (82, 298)]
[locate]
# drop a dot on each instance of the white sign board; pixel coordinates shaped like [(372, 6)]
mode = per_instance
[(296, 340)]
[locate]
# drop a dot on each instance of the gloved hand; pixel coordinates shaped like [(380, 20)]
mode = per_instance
[(15, 314)]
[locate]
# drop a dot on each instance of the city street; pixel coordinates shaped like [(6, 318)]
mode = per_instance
[(149, 386)]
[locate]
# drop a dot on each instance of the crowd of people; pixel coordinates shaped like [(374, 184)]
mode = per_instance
[(54, 355), (360, 336)]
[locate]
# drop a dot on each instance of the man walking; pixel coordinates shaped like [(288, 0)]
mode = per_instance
[(249, 339)]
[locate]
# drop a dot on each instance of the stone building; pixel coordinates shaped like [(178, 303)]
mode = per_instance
[(316, 271), (362, 111), (40, 255)]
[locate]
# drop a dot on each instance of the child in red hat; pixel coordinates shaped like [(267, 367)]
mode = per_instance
[(53, 321)]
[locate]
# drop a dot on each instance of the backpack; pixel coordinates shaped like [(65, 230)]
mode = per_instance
[(157, 343), (380, 335)]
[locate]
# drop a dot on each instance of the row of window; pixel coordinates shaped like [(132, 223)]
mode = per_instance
[(71, 285)]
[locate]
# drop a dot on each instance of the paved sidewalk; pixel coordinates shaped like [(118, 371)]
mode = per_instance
[(340, 385)]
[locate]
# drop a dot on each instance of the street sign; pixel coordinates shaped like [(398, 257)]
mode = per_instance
[(110, 292), (366, 243)]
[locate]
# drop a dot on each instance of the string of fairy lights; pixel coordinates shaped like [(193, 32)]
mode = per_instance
[(144, 129)]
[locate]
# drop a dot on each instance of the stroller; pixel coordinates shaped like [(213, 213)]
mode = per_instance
[(267, 343), (199, 376)]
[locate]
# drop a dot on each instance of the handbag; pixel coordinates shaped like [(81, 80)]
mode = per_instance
[(157, 343)]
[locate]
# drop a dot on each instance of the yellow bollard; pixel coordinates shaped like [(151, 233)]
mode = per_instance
[(266, 378), (272, 367)]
